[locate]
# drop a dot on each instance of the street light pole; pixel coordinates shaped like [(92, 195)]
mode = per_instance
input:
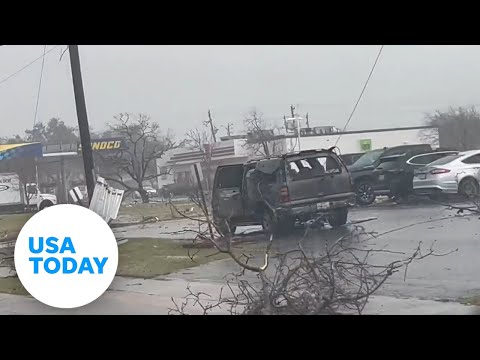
[(82, 119)]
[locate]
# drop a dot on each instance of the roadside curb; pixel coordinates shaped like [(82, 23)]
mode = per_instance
[(124, 302)]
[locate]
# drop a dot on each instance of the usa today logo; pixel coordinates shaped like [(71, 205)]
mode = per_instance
[(66, 256)]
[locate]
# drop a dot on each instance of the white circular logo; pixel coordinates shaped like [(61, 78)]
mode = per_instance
[(66, 256)]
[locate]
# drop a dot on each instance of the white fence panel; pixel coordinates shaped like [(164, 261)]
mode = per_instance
[(106, 200)]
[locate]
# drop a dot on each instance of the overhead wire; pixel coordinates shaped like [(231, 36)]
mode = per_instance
[(26, 66), (39, 85), (361, 94)]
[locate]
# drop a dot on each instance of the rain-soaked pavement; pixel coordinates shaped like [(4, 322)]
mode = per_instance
[(399, 228)]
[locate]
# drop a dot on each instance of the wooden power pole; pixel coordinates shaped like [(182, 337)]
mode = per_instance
[(212, 126), (82, 119)]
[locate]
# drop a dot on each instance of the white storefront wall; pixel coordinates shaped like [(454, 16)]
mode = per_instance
[(237, 154), (350, 143)]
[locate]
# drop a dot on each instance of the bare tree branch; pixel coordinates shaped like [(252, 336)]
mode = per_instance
[(144, 145)]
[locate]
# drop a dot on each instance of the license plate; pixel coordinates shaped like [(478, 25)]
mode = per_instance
[(381, 177), (422, 176), (323, 206)]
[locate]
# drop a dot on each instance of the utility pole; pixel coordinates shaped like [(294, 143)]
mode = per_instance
[(229, 129), (298, 132), (212, 127), (202, 198), (83, 127), (308, 124), (297, 119)]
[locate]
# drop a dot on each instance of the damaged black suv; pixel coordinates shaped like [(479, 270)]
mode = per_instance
[(277, 192)]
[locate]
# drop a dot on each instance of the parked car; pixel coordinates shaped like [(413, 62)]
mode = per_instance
[(422, 160), (151, 192), (279, 191), (453, 174), (379, 171)]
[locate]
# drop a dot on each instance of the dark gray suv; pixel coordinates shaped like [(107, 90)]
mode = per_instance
[(279, 191)]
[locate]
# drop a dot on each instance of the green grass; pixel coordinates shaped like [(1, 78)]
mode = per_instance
[(162, 211), (141, 258), (474, 300), (147, 258), (12, 224), (12, 285)]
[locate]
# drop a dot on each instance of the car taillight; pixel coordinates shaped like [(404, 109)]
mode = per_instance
[(284, 195), (439, 171)]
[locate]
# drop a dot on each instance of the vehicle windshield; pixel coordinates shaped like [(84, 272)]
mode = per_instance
[(368, 158), (445, 160)]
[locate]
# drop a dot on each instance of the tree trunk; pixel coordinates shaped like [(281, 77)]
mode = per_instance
[(144, 196)]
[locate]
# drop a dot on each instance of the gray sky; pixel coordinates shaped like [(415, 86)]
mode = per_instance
[(176, 85)]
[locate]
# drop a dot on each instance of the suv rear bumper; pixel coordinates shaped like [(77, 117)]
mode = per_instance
[(311, 209)]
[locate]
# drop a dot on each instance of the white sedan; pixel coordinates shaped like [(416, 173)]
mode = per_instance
[(151, 192), (452, 174)]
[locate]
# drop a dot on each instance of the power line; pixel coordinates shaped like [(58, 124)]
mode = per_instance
[(26, 66), (361, 94), (39, 85)]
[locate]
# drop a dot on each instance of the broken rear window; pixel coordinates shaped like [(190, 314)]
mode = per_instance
[(230, 177), (310, 167)]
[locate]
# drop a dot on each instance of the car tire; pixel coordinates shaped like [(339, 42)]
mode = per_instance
[(269, 224), (365, 194), (222, 226), (44, 205), (469, 187), (339, 217)]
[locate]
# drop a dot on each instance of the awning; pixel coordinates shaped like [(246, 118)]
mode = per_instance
[(17, 151)]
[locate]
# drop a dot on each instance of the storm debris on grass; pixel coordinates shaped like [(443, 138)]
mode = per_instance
[(147, 258), (161, 211), (142, 258), (13, 286), (10, 225), (473, 300)]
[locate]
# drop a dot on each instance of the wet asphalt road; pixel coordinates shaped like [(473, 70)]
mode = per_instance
[(446, 277)]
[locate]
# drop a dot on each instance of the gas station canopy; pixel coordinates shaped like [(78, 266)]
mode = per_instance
[(19, 151)]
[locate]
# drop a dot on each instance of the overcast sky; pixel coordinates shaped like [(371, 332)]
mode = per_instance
[(176, 85)]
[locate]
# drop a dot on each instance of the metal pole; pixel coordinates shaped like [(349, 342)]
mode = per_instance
[(298, 132), (62, 174), (37, 185), (204, 203), (82, 119)]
